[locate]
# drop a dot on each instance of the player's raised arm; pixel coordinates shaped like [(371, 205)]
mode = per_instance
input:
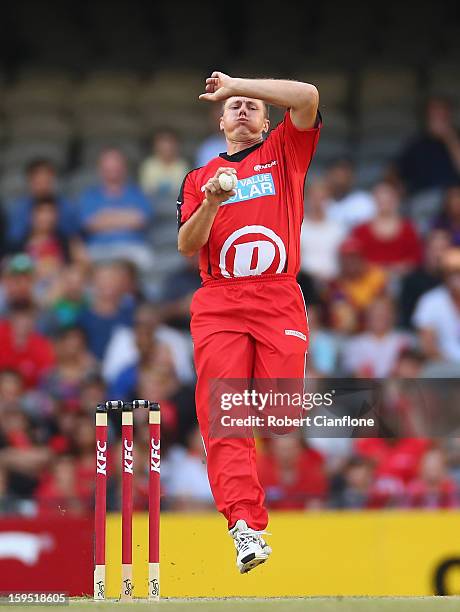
[(301, 98)]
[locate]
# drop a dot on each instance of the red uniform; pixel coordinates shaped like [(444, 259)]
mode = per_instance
[(248, 318)]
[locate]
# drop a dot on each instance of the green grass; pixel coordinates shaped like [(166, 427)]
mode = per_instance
[(300, 604)]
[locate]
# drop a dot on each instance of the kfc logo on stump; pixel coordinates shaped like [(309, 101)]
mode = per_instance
[(252, 250), (154, 455)]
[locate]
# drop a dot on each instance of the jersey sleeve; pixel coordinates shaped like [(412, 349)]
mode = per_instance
[(188, 200), (298, 145)]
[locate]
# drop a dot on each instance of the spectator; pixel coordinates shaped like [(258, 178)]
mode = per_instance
[(215, 143), (292, 474), (92, 392), (433, 488), (451, 446), (349, 206), (15, 430), (394, 458), (124, 349), (83, 440), (11, 388), (3, 228), (359, 488), (437, 314), (18, 281), (178, 290), (73, 364), (188, 485), (151, 352), (178, 416), (60, 488), (67, 297), (356, 287), (375, 351), (20, 285), (323, 351), (449, 218), (321, 237), (409, 364), (130, 280), (44, 244), (425, 277), (34, 405), (401, 412), (24, 349), (115, 214), (161, 383), (21, 457), (431, 160), (389, 240), (109, 308), (162, 173), (7, 504), (41, 183)]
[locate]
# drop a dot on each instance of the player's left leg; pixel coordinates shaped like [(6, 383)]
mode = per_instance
[(278, 323), (251, 548)]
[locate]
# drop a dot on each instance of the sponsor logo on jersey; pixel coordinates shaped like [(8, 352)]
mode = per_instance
[(245, 253), (294, 332), (259, 167), (257, 186)]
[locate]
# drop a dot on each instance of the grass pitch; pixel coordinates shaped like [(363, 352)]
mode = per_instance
[(298, 604)]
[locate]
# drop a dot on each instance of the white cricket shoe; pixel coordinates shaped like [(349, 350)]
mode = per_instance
[(251, 548)]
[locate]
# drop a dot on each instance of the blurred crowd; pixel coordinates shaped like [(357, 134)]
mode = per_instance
[(84, 318)]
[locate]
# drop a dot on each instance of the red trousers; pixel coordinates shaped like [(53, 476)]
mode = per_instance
[(242, 328)]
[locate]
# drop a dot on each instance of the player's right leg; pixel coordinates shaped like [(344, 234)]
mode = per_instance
[(231, 458)]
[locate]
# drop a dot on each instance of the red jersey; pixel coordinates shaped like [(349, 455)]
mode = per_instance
[(31, 359), (405, 247), (258, 230), (308, 482), (400, 460)]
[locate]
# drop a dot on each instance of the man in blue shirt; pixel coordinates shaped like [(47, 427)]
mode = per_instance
[(114, 215), (109, 307), (41, 183), (431, 160)]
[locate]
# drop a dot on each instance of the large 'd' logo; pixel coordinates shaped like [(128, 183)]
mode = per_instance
[(245, 253)]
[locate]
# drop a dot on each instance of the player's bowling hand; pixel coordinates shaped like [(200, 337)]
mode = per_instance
[(214, 193), (219, 86)]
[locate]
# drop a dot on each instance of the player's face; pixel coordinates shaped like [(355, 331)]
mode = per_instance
[(244, 119)]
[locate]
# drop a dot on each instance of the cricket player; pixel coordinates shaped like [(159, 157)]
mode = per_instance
[(248, 318)]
